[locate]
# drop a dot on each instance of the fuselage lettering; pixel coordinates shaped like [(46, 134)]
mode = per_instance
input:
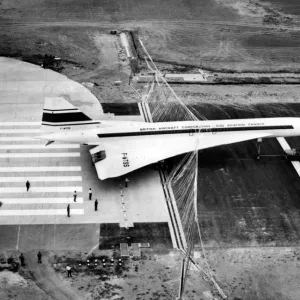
[(125, 160)]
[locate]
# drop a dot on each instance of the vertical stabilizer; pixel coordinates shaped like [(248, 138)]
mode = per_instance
[(60, 114)]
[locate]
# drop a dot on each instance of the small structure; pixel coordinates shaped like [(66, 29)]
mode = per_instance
[(292, 154), (113, 32), (144, 245), (136, 250), (124, 249)]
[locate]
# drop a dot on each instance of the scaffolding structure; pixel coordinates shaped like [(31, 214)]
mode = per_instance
[(163, 105)]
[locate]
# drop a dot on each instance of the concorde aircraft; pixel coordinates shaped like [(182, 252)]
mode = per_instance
[(124, 146)]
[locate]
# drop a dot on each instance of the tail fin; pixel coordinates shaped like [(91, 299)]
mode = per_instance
[(60, 114)]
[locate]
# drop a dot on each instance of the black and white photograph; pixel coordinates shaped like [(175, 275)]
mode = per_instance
[(149, 149)]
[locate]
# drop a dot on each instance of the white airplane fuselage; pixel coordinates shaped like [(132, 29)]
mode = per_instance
[(107, 130)]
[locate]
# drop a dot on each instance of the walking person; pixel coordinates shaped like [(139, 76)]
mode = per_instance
[(96, 205), (69, 271), (75, 196), (68, 210), (90, 194), (27, 185), (22, 260), (126, 182), (39, 256)]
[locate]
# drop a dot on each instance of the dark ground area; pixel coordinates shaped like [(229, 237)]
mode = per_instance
[(265, 110), (156, 234), (242, 201), (289, 6), (49, 237), (121, 109)]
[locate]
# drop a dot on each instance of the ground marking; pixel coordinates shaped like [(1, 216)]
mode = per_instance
[(15, 131), (18, 238), (54, 189), (40, 200), (40, 146), (41, 179), (41, 212), (16, 138), (20, 123), (34, 155), (40, 169)]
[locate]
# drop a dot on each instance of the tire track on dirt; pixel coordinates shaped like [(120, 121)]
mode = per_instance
[(49, 281)]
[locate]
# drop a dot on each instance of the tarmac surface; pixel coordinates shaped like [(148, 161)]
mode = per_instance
[(243, 202), (57, 171)]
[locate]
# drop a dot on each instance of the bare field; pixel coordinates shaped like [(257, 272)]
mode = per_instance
[(153, 276), (232, 35), (238, 95), (257, 273)]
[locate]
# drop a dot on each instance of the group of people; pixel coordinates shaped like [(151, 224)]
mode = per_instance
[(39, 257), (22, 258), (39, 254), (75, 198)]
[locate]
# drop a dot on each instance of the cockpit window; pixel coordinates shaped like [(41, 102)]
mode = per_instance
[(98, 156)]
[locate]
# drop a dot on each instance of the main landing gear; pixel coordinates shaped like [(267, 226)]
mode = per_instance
[(258, 144)]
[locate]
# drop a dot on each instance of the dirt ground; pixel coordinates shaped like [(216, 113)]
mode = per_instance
[(153, 276), (231, 34), (255, 273)]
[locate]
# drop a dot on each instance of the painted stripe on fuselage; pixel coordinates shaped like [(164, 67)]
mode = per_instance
[(65, 117), (57, 110), (180, 131), (69, 124)]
